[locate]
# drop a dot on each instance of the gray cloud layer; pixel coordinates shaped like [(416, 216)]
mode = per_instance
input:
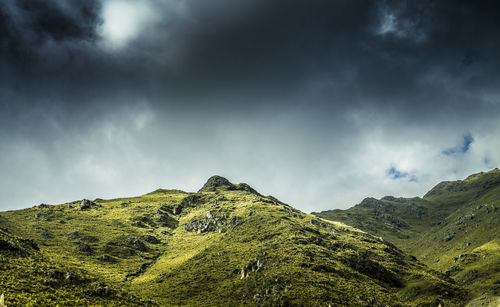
[(319, 103)]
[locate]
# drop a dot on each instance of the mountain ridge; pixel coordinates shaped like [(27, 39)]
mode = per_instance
[(225, 245), (454, 228)]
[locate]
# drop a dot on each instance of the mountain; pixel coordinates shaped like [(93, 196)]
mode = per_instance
[(454, 228), (225, 245)]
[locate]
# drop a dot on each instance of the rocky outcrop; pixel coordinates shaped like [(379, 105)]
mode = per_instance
[(57, 277), (212, 222), (379, 205), (12, 247), (246, 187), (106, 258), (136, 244), (218, 183), (165, 220), (215, 183), (45, 233), (73, 235), (253, 266), (85, 248), (142, 221), (151, 239), (325, 225), (86, 204), (99, 289), (362, 263)]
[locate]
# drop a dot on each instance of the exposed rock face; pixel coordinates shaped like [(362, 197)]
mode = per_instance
[(107, 258), (177, 210), (216, 182), (74, 235), (379, 205), (136, 244), (63, 276), (125, 246), (394, 220), (449, 236), (362, 263), (100, 289), (212, 222), (322, 224), (292, 212), (142, 221), (254, 266), (11, 247), (45, 213), (87, 205), (466, 258)]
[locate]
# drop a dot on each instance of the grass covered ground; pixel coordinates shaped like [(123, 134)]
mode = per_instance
[(225, 245), (454, 229), (29, 278)]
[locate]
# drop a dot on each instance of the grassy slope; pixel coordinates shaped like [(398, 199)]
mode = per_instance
[(226, 247), (30, 279), (454, 228)]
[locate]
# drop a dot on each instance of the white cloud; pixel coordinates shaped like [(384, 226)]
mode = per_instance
[(124, 20), (130, 151)]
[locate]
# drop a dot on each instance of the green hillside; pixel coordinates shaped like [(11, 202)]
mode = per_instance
[(454, 228), (225, 245), (29, 278)]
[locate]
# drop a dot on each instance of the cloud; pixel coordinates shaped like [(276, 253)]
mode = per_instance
[(405, 19), (395, 174), (26, 25), (467, 141), (319, 103), (124, 20)]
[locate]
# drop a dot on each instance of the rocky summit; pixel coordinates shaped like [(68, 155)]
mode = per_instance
[(228, 245), (218, 183), (215, 183)]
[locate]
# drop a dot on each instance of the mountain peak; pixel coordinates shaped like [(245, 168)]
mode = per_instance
[(216, 182), (482, 180)]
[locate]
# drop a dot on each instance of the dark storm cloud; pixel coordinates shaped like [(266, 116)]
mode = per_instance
[(311, 95), (38, 36), (266, 49), (274, 46), (50, 55), (26, 25), (432, 50), (42, 44)]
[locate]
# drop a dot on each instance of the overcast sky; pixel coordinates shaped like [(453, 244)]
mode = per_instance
[(319, 103)]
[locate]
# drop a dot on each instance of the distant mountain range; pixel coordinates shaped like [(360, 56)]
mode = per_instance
[(228, 245)]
